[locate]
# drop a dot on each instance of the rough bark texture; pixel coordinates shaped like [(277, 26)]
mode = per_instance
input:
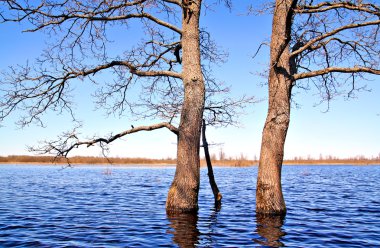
[(210, 172), (183, 193), (269, 197)]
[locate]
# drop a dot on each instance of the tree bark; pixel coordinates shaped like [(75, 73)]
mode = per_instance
[(269, 197), (210, 172), (183, 193)]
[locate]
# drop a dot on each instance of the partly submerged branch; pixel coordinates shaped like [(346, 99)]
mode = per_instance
[(215, 190)]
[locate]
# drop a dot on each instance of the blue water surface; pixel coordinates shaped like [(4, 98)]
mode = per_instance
[(46, 206)]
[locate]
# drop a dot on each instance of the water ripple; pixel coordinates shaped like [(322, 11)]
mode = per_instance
[(43, 206)]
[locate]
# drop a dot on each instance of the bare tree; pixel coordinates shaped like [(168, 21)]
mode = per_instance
[(329, 44), (166, 64)]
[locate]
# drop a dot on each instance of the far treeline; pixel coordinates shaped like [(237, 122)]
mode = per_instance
[(234, 162)]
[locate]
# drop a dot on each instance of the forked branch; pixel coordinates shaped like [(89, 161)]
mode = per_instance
[(53, 14), (312, 42), (70, 141)]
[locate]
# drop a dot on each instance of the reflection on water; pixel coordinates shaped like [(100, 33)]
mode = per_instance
[(185, 231), (269, 227), (185, 228)]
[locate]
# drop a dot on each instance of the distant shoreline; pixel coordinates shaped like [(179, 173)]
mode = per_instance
[(130, 162)]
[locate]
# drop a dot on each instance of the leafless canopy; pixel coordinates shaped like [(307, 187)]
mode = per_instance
[(334, 43), (79, 48)]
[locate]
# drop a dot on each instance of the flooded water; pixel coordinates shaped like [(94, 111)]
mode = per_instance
[(44, 206)]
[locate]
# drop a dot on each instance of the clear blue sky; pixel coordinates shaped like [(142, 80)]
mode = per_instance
[(350, 127)]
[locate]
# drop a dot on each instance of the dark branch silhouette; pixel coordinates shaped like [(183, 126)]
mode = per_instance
[(63, 147), (210, 172)]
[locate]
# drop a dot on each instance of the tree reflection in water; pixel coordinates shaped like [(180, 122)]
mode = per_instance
[(269, 227), (209, 236), (185, 231)]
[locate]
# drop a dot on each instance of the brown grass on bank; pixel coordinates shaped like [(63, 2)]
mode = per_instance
[(345, 161), (82, 160), (23, 159), (235, 162)]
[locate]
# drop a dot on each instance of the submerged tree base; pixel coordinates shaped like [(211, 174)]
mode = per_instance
[(269, 197), (271, 211), (182, 200)]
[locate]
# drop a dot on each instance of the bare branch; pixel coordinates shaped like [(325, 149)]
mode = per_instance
[(326, 6), (336, 69), (310, 43), (226, 111), (69, 141), (49, 90), (259, 48), (176, 2), (79, 50)]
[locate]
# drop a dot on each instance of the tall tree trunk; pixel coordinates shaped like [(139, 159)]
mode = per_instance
[(269, 197), (183, 193), (210, 172)]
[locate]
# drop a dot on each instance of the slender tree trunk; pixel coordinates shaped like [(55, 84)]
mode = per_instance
[(210, 172), (183, 193), (269, 197)]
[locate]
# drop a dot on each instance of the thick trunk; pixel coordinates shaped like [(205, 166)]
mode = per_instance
[(183, 193), (210, 172), (269, 197)]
